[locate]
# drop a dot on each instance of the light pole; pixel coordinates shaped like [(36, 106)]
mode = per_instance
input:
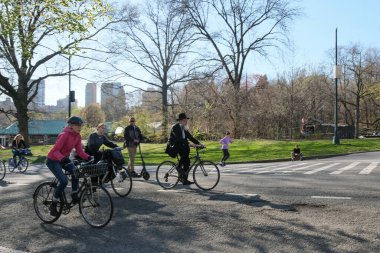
[(69, 86), (337, 73)]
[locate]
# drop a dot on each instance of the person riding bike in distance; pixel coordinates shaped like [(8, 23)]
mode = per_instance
[(17, 143), (58, 159)]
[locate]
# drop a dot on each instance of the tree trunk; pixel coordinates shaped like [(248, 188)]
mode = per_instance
[(23, 119), (357, 116)]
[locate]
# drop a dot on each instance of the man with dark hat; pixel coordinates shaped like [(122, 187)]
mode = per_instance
[(179, 136)]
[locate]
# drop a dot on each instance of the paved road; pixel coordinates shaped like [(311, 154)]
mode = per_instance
[(325, 205)]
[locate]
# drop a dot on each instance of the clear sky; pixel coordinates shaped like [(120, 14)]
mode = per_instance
[(313, 34)]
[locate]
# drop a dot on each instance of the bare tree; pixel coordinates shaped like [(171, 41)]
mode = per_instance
[(159, 47), (237, 29), (362, 71)]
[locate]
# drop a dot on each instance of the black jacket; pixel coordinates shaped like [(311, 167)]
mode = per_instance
[(176, 138), (95, 141), (131, 133)]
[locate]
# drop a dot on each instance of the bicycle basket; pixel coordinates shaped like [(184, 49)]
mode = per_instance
[(27, 152), (91, 170)]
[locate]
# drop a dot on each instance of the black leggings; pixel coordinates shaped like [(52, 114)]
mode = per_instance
[(226, 154)]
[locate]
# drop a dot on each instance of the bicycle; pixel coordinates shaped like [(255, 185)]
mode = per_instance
[(117, 174), (206, 174), (3, 170), (22, 164), (95, 202)]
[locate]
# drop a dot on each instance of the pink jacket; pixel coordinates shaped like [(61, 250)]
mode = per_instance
[(66, 141)]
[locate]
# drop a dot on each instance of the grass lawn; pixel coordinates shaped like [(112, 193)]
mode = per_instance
[(240, 150)]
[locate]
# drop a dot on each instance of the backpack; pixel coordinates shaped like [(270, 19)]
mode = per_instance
[(171, 149)]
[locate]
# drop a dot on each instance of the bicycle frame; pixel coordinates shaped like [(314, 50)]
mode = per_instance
[(19, 161), (66, 204), (195, 161)]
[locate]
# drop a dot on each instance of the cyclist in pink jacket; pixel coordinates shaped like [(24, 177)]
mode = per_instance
[(58, 159)]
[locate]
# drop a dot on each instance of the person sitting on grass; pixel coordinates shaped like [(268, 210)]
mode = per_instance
[(296, 153)]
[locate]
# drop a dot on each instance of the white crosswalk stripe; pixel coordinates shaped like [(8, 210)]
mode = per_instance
[(350, 166), (281, 168), (321, 168), (306, 167), (369, 168)]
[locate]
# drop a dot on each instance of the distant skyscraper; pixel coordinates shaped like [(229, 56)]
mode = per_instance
[(112, 100), (39, 99), (90, 94), (110, 91), (63, 103)]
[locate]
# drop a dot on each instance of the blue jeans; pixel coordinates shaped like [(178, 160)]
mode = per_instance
[(56, 168), (16, 153)]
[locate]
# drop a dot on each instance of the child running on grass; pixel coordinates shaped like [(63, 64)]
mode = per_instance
[(225, 144)]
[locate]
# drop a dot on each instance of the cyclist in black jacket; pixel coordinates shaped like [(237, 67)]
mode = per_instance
[(96, 140), (179, 136), (17, 143)]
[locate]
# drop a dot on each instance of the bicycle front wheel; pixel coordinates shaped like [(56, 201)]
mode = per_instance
[(11, 166), (42, 199), (122, 182), (206, 175), (23, 165), (96, 206), (167, 175), (3, 170)]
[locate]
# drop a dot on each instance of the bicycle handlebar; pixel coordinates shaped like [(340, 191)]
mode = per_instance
[(88, 162), (115, 148), (199, 146)]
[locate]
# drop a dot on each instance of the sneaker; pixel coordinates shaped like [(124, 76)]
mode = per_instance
[(123, 174), (53, 209), (119, 177), (75, 198)]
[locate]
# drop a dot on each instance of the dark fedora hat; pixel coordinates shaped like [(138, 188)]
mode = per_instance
[(182, 116)]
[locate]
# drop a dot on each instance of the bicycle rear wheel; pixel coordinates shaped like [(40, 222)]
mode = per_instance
[(3, 170), (167, 175), (23, 165), (42, 199), (206, 175), (122, 182), (96, 206)]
